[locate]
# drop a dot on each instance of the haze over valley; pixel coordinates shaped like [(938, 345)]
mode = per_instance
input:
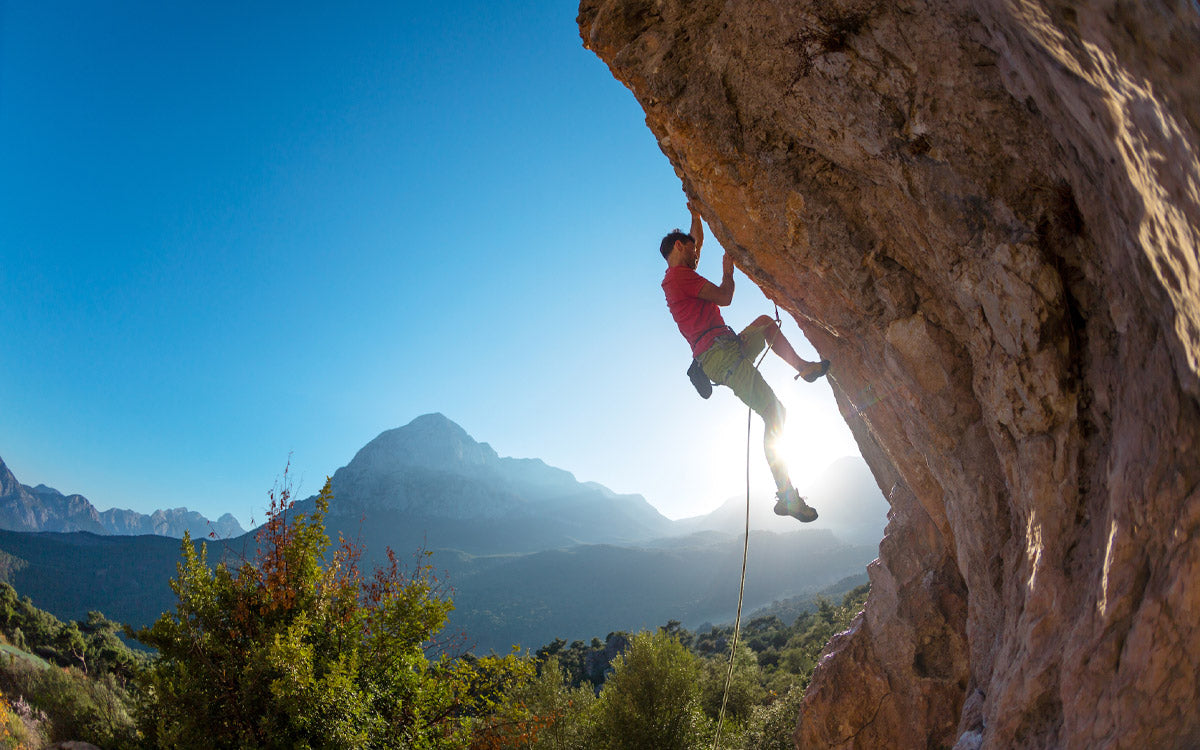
[(531, 553)]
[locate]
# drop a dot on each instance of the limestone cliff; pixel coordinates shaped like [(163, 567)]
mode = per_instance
[(986, 215)]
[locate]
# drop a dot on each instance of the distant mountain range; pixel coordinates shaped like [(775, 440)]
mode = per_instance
[(531, 553), (429, 484), (42, 508)]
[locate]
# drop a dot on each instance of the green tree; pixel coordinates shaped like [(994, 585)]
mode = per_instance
[(745, 686), (94, 646), (70, 644), (770, 727), (651, 698), (297, 649), (543, 713)]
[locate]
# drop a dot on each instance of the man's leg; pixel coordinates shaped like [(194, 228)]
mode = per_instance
[(773, 419), (749, 386), (732, 364), (766, 327)]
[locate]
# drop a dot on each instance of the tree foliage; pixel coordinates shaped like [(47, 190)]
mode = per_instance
[(665, 689), (69, 681), (745, 685), (651, 699), (542, 712), (94, 646), (298, 649), (770, 725)]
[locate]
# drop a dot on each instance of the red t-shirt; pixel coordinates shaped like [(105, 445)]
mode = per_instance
[(693, 315)]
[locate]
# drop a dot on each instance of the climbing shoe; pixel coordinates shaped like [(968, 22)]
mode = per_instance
[(820, 372), (789, 503)]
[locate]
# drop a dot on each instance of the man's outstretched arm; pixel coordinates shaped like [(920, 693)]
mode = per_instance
[(697, 230), (721, 295)]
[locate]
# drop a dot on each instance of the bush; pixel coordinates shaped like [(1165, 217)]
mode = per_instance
[(651, 698), (542, 713), (17, 732), (745, 687), (65, 704), (296, 649), (770, 727)]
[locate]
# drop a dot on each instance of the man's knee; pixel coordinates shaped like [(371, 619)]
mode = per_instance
[(767, 325), (773, 418)]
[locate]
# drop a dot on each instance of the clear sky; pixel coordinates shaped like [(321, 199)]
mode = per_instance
[(232, 232)]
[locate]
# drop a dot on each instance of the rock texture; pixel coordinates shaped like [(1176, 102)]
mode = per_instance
[(985, 214)]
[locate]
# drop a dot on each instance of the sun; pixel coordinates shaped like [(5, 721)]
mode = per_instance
[(815, 434), (814, 437)]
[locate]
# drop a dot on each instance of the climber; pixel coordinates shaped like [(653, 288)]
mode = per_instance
[(727, 357)]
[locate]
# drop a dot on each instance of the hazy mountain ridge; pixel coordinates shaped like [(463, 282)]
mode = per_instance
[(432, 477), (43, 508), (589, 590)]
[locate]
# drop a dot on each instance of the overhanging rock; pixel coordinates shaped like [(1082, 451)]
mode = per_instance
[(986, 214)]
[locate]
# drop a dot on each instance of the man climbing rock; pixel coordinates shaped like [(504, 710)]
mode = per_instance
[(727, 358)]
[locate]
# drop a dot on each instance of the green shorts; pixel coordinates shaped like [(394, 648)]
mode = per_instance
[(730, 361)]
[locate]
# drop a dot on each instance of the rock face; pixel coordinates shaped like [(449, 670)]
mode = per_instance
[(986, 215)]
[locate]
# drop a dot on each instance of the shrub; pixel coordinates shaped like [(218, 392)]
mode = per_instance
[(770, 727), (296, 649), (651, 697), (745, 687), (65, 704), (542, 713), (17, 732)]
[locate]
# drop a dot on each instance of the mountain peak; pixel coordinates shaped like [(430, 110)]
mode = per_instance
[(8, 483), (430, 441), (432, 421)]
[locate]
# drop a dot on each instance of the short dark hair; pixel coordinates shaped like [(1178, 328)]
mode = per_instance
[(668, 242)]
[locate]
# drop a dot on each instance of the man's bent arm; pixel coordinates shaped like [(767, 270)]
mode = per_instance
[(721, 295)]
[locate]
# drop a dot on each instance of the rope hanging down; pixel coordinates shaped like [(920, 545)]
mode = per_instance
[(737, 622)]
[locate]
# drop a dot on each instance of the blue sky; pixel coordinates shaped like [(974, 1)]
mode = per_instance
[(234, 232)]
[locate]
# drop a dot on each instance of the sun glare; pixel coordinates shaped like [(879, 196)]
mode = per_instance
[(815, 436)]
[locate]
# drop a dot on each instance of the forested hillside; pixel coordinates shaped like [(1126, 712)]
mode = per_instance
[(64, 681)]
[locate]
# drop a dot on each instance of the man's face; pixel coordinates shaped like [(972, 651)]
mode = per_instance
[(688, 253)]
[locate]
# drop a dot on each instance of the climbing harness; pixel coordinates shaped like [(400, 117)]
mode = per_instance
[(737, 622)]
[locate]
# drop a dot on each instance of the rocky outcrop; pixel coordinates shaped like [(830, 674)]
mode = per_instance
[(985, 214), (42, 508), (170, 522)]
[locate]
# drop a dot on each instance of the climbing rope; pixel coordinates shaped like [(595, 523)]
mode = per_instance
[(737, 622)]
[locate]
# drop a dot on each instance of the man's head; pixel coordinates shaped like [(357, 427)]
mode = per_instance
[(679, 249)]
